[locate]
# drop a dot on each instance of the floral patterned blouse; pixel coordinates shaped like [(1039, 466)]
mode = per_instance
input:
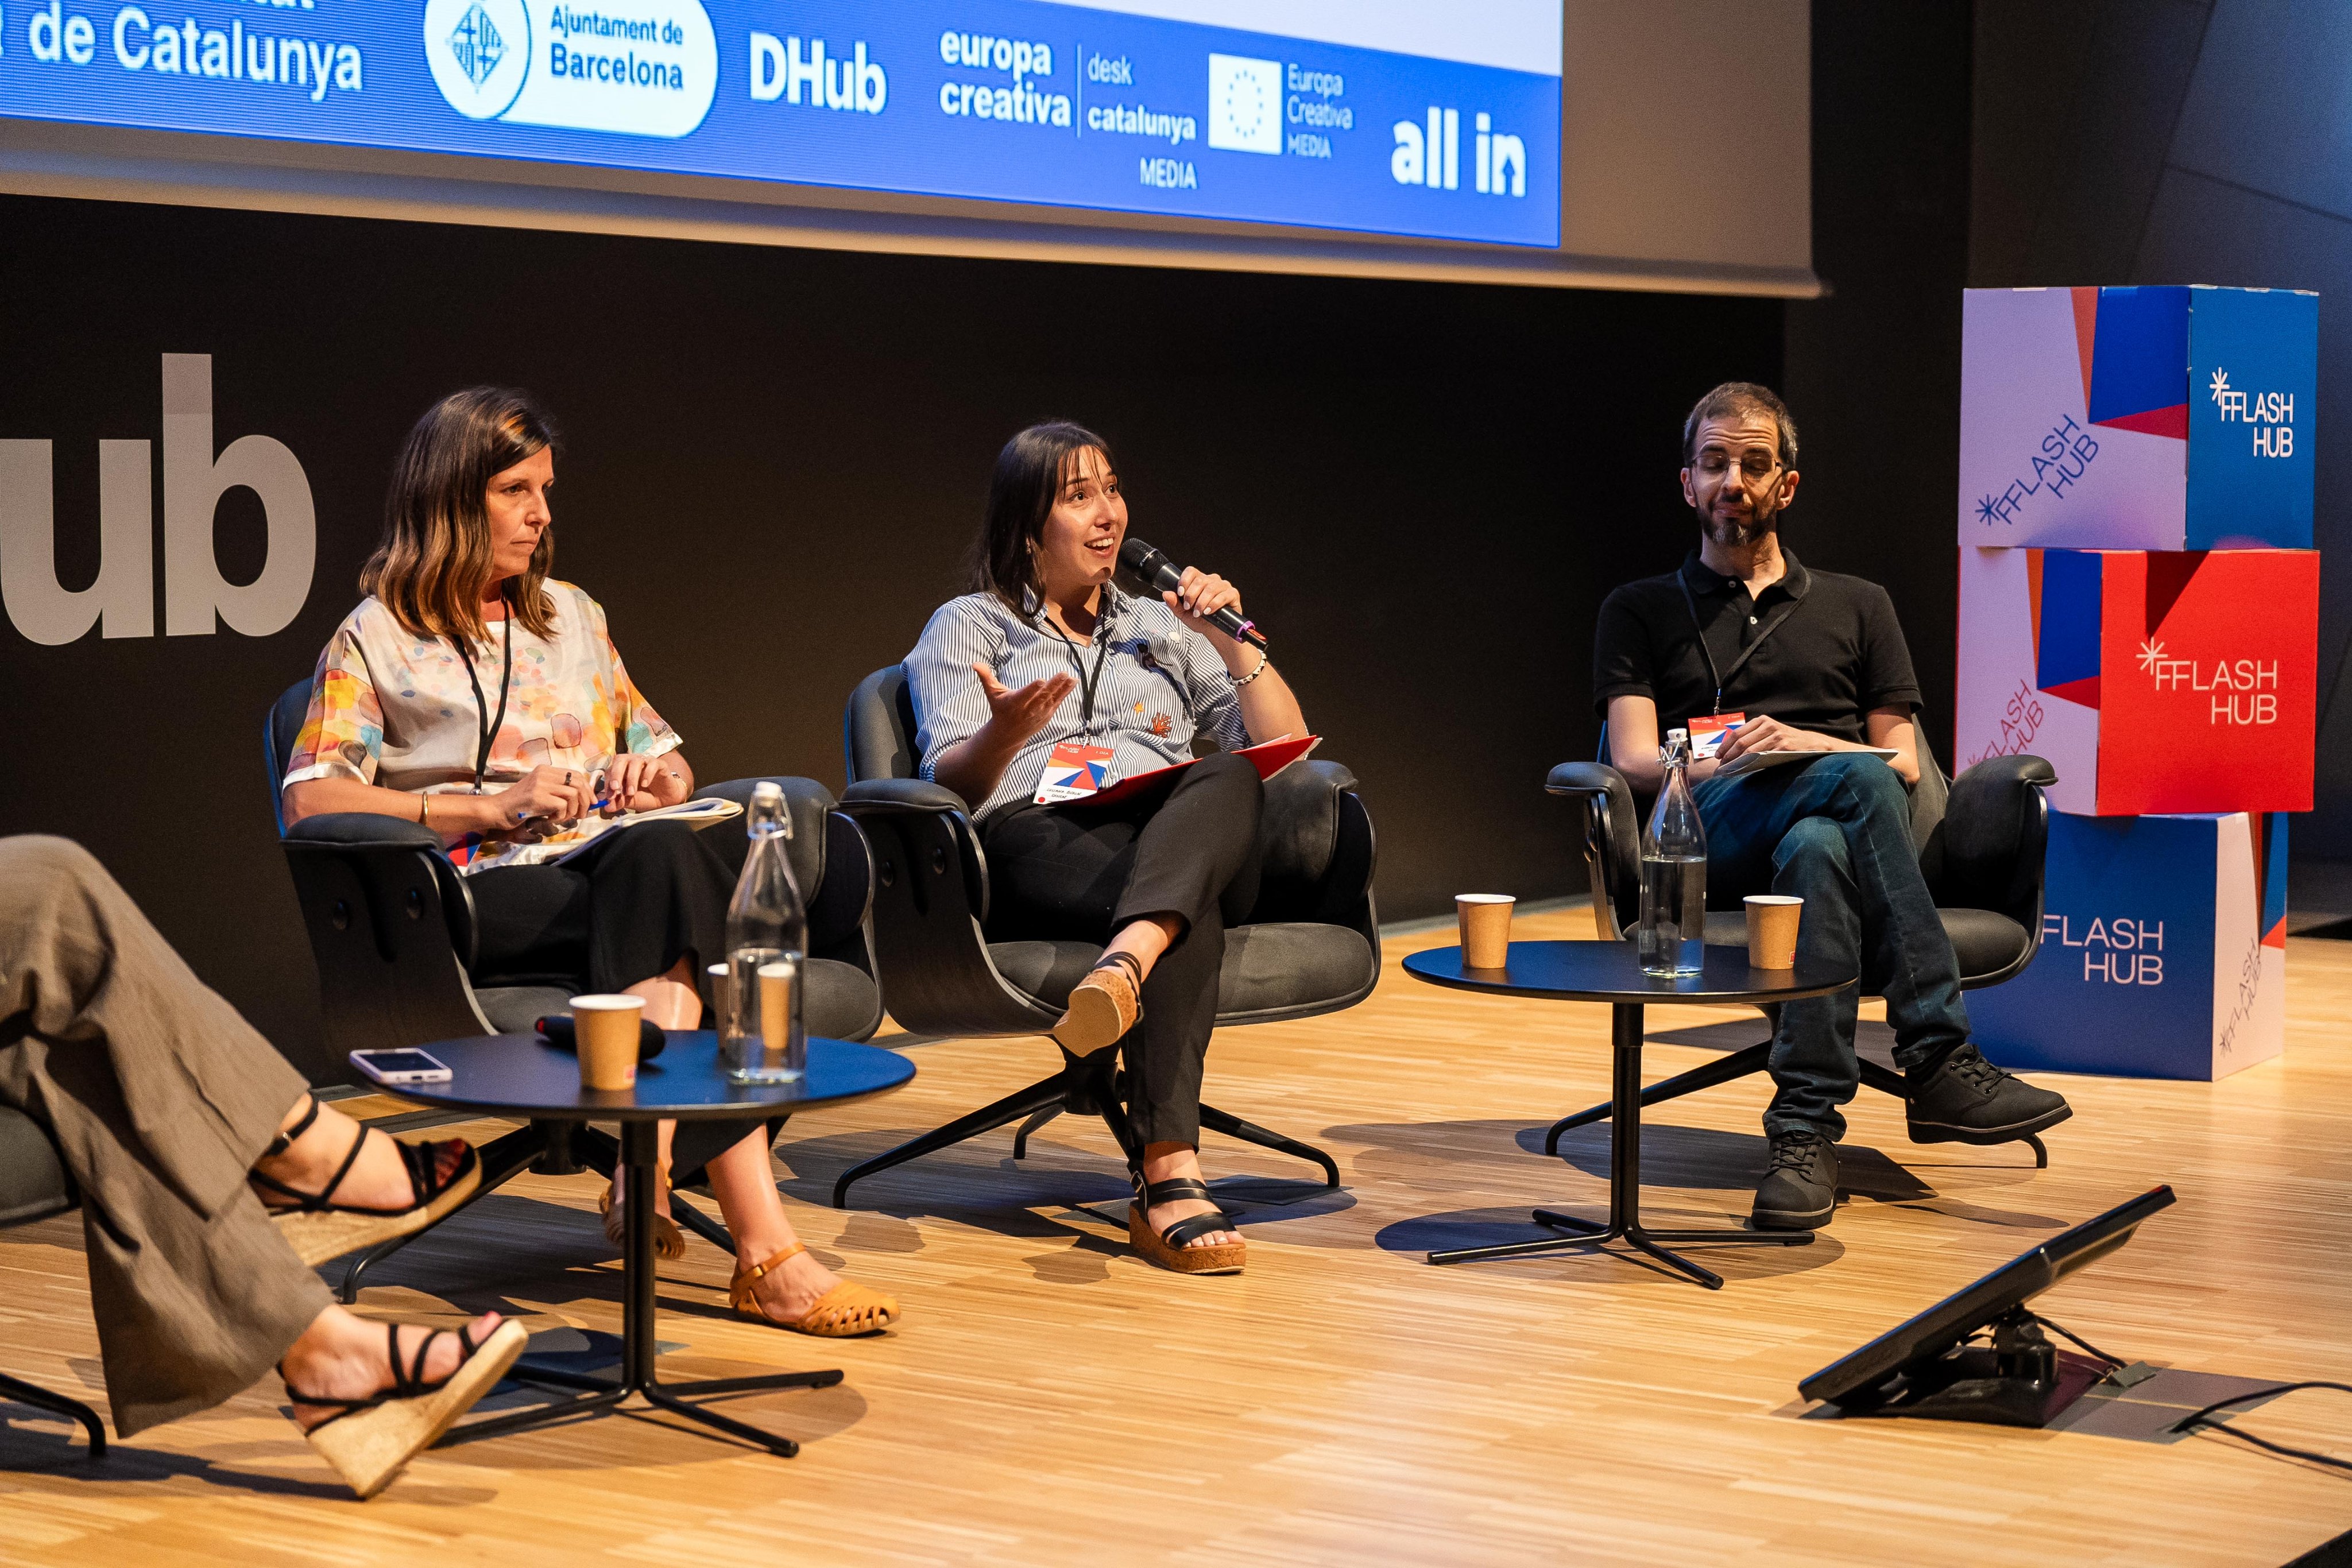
[(399, 711)]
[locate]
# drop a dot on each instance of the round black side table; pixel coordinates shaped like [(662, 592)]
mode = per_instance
[(522, 1075), (1612, 972)]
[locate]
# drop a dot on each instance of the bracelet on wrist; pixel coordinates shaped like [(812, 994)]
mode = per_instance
[(1264, 662)]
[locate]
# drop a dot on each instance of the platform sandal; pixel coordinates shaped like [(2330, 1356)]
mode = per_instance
[(669, 1241), (1103, 1006), (1167, 1248), (848, 1309), (368, 1440), (319, 1228)]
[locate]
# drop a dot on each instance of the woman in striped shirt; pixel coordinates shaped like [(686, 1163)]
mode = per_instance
[(1049, 656)]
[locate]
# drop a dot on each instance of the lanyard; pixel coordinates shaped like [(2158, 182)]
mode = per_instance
[(487, 726), (1085, 681), (1722, 679)]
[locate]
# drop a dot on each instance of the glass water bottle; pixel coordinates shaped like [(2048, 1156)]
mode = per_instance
[(761, 1039), (1672, 939)]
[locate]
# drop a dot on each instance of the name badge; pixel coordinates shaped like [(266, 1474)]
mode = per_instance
[(1709, 734), (1073, 772)]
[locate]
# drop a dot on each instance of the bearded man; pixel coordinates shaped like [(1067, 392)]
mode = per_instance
[(1814, 662)]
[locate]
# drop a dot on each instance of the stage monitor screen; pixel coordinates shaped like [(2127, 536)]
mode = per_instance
[(1965, 1311), (1380, 117)]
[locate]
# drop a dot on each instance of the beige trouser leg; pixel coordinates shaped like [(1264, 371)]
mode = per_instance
[(161, 1098)]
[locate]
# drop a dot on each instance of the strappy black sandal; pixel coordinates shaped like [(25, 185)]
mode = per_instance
[(1168, 1247), (320, 1229), (1103, 1006), (368, 1440)]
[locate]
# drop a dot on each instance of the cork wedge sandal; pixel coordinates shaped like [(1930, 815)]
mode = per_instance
[(1103, 1006), (847, 1310), (369, 1440), (441, 1176), (1168, 1247)]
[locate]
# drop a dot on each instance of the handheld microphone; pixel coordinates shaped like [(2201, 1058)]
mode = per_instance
[(1154, 572)]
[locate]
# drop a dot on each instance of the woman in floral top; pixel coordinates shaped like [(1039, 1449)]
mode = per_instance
[(471, 693)]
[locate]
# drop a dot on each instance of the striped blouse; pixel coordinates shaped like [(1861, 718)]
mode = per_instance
[(1159, 684)]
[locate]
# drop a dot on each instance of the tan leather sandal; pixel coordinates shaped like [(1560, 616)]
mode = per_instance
[(848, 1309), (1103, 1006), (669, 1241), (1168, 1247)]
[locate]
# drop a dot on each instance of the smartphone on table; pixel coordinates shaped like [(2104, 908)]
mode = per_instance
[(400, 1066)]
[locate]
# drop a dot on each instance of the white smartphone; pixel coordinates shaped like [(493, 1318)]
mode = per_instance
[(400, 1066)]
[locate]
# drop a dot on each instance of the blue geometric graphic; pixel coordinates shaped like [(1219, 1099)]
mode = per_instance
[(477, 45)]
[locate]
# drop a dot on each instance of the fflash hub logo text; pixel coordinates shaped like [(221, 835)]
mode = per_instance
[(2244, 691), (2270, 414)]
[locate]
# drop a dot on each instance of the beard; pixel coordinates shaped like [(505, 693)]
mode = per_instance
[(1739, 533)]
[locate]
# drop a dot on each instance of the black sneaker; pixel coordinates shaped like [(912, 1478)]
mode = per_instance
[(1799, 1191), (1967, 1100)]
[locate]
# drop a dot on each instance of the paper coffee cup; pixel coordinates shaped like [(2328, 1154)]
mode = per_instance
[(1486, 922), (1772, 919), (776, 982), (606, 1029)]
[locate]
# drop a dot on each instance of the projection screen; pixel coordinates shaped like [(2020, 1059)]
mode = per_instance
[(1663, 145)]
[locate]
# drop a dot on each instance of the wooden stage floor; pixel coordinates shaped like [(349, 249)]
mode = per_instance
[(1051, 1399)]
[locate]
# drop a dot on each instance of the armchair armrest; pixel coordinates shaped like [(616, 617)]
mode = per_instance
[(883, 809), (363, 829), (1315, 849), (366, 832), (915, 794), (1612, 846), (1987, 851)]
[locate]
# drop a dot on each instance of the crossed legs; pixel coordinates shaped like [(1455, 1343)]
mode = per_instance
[(739, 1176), (162, 1102)]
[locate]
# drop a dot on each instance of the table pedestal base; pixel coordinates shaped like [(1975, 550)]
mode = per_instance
[(1624, 1222), (639, 1150)]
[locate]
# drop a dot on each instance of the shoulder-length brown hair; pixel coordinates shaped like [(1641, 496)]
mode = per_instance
[(1030, 473), (435, 561)]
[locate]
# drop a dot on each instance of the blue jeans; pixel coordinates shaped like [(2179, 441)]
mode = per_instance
[(1836, 832)]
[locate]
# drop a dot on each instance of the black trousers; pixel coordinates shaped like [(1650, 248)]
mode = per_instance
[(634, 904), (1075, 874), (638, 901)]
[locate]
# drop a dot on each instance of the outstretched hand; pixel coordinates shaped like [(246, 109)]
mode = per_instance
[(1016, 714)]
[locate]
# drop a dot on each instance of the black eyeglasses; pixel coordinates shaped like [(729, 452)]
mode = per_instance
[(1715, 462)]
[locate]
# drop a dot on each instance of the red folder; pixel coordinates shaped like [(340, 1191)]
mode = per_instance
[(1269, 758)]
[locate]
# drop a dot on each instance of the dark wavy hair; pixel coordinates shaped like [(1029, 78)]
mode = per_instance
[(1029, 477), (1740, 397), (435, 560)]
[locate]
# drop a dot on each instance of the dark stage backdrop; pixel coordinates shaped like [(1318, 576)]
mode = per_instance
[(775, 458), (2188, 141)]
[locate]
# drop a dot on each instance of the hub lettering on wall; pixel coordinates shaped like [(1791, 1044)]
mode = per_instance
[(196, 598)]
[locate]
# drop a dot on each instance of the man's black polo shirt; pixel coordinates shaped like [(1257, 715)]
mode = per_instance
[(1831, 649)]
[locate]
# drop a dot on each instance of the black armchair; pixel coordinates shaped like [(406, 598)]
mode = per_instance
[(1980, 840), (33, 1186), (390, 923), (1310, 946)]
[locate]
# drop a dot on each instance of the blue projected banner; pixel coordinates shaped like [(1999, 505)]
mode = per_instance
[(1018, 100)]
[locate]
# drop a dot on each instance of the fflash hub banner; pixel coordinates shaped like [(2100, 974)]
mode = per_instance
[(2153, 681), (2157, 418)]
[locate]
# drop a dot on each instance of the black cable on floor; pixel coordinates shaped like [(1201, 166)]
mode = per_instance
[(2079, 1342), (2204, 1418)]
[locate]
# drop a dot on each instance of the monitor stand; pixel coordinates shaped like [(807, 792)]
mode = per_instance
[(2021, 1380)]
